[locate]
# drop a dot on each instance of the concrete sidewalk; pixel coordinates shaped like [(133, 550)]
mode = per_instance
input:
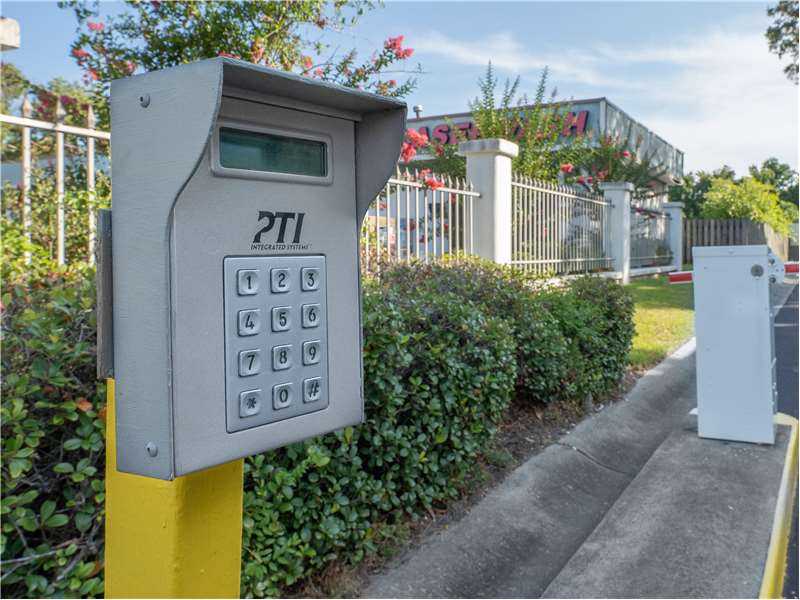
[(630, 503)]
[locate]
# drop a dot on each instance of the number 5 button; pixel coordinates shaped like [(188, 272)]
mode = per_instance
[(249, 322), (310, 315), (309, 277), (281, 318)]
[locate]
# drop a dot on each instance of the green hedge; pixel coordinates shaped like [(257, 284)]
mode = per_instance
[(438, 376), (446, 348), (53, 436)]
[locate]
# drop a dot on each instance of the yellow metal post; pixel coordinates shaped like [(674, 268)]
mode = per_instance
[(171, 539)]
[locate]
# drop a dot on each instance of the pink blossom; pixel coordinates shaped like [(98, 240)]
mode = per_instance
[(130, 66), (404, 53), (94, 26), (433, 184), (567, 168), (407, 152), (80, 53), (581, 179), (93, 74), (589, 179), (394, 44), (416, 138), (391, 83), (626, 154), (307, 63), (318, 72)]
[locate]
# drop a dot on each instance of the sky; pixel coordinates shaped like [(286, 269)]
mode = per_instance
[(698, 74)]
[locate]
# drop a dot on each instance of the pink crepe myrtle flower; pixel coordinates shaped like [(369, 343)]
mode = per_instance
[(626, 154), (567, 168), (95, 26), (416, 138), (80, 53), (581, 179), (407, 152), (318, 72), (394, 43)]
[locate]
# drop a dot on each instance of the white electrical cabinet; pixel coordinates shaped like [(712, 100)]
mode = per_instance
[(736, 389)]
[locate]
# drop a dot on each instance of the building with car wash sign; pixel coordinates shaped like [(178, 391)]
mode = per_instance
[(596, 117)]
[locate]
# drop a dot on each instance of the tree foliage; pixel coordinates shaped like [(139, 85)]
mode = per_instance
[(780, 176), (154, 35), (534, 124), (747, 199), (782, 34)]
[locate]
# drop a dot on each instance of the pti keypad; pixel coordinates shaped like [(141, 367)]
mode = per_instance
[(275, 338)]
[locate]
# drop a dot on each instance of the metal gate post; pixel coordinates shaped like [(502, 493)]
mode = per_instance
[(171, 539)]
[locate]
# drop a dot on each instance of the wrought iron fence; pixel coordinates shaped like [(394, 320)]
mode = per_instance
[(60, 129), (649, 234), (418, 216), (556, 228)]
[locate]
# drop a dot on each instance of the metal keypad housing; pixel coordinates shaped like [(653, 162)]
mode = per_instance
[(276, 338)]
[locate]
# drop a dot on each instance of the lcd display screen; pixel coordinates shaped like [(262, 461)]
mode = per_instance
[(272, 153)]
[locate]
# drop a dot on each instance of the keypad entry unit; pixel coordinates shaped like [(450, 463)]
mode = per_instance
[(276, 339)]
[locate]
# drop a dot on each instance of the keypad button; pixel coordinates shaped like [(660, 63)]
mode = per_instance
[(281, 357), (249, 362), (282, 396), (281, 318), (280, 281), (249, 322), (247, 282), (249, 403), (311, 352), (309, 279), (310, 315), (312, 389)]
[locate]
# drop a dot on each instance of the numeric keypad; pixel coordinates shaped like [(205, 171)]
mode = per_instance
[(275, 338)]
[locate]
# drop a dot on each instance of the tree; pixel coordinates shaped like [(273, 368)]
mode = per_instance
[(782, 34), (692, 189), (747, 199), (534, 124), (780, 176), (155, 35)]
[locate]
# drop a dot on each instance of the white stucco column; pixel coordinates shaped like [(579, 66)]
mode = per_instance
[(489, 171), (618, 194), (675, 212)]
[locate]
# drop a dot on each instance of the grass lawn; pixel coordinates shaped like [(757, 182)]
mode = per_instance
[(664, 319)]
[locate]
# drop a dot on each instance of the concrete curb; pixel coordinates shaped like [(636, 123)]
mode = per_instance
[(775, 567)]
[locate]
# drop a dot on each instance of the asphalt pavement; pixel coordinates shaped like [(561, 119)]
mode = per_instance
[(786, 350)]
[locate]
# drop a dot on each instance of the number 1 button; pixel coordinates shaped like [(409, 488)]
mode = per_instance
[(247, 282)]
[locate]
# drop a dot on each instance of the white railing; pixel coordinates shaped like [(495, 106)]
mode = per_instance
[(650, 235), (556, 228), (419, 215), (60, 129)]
